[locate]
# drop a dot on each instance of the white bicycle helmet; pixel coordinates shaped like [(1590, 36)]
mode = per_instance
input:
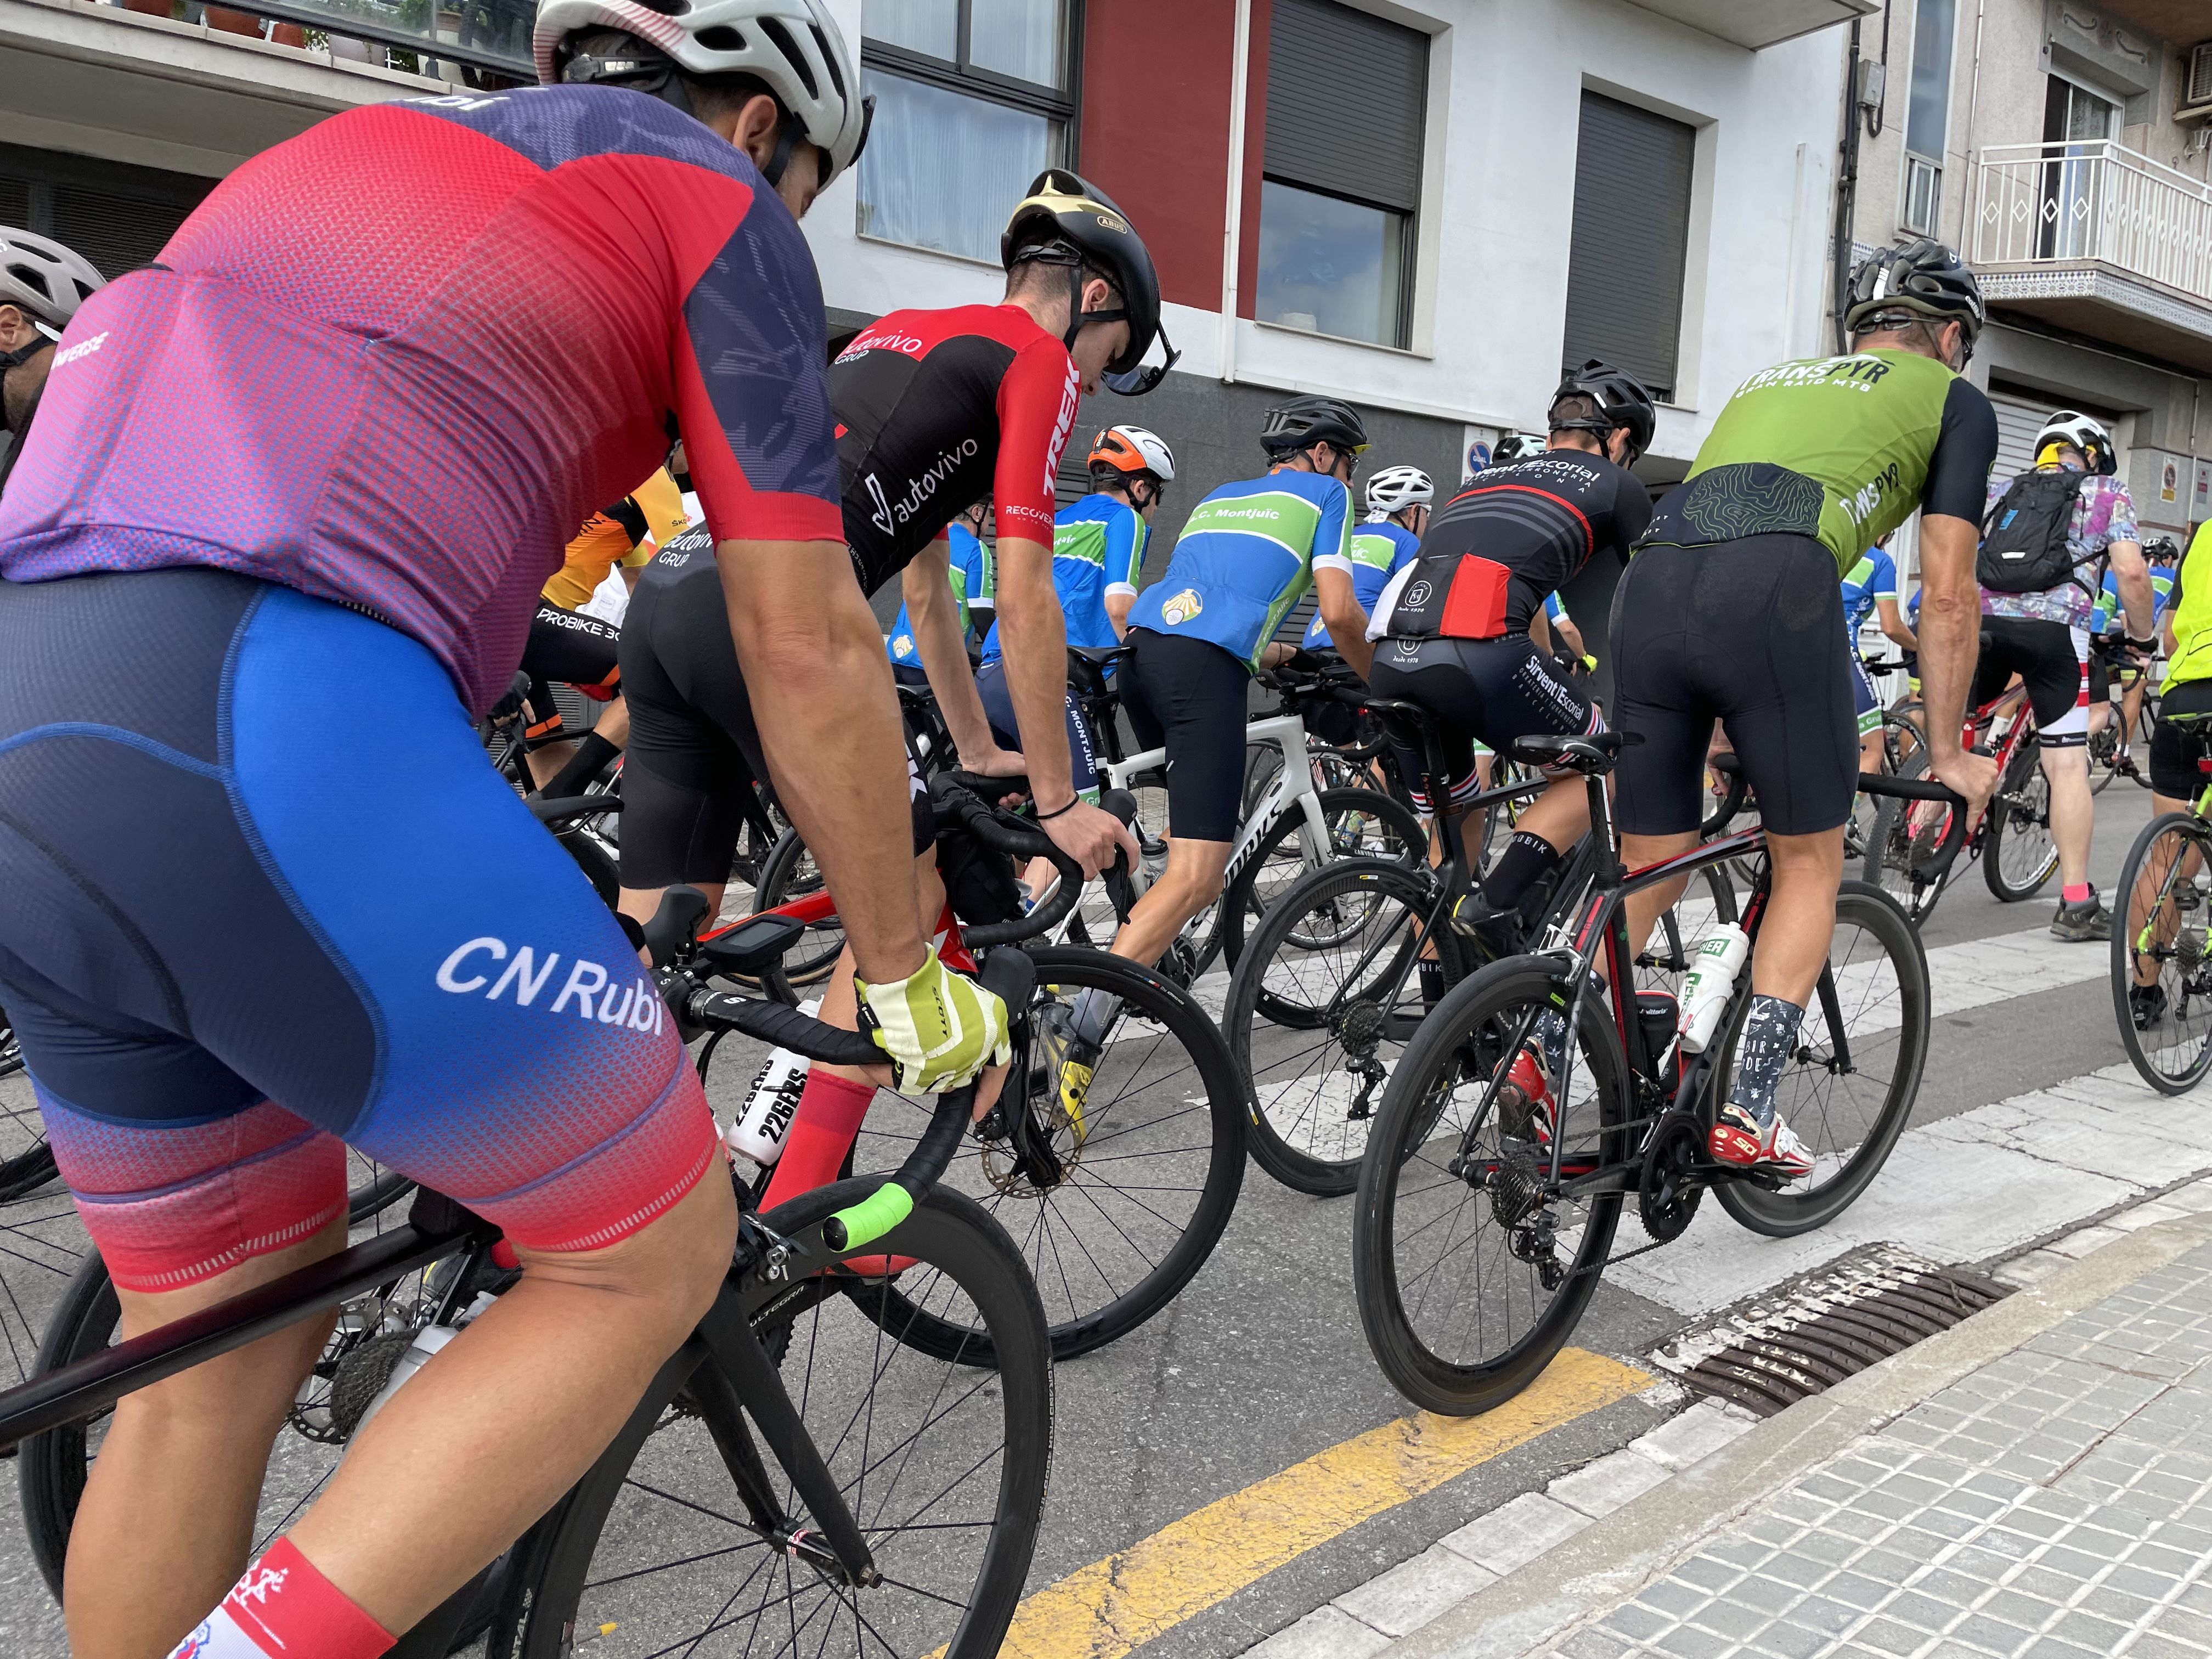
[(1134, 449), (792, 46), (44, 278), (2078, 431), (1397, 487), (1517, 446)]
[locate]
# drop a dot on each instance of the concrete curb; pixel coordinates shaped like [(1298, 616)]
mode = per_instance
[(1613, 1558)]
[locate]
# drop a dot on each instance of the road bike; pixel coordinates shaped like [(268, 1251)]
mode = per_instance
[(802, 1476), (1484, 1221), (2162, 976)]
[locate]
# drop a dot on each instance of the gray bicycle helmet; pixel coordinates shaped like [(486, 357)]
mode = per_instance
[(1517, 446), (44, 278)]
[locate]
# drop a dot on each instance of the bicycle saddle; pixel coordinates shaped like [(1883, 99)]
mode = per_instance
[(1588, 755), (1089, 665)]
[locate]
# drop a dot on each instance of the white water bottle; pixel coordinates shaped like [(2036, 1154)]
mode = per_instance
[(427, 1342), (1712, 977), (758, 1131)]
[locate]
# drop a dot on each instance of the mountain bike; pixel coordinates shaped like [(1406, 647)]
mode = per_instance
[(1483, 1222), (2162, 976), (799, 1477)]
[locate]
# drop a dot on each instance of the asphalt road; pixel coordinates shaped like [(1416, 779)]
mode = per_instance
[(1260, 1364)]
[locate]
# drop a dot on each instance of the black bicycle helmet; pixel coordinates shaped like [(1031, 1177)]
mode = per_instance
[(1065, 220), (1618, 394), (1924, 277), (1291, 426)]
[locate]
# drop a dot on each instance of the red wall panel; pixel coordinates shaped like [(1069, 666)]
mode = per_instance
[(1156, 81)]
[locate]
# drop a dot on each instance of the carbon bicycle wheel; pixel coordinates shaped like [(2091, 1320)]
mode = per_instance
[(1848, 1088), (2161, 979), (1471, 1274), (660, 1548), (52, 1468), (1361, 824), (1314, 1029), (789, 872), (2020, 854), (27, 1162)]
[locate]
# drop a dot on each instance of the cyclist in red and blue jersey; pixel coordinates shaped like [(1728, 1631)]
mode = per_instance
[(329, 448), (968, 568), (1097, 553), (1398, 499)]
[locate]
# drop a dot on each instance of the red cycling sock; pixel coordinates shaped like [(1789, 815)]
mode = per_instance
[(2076, 892), (283, 1607), (829, 1112)]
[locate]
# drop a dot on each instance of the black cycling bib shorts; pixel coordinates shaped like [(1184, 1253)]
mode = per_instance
[(1188, 697), (1492, 691), (2053, 659)]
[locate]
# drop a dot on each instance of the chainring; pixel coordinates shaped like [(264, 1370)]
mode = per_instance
[(1667, 1192)]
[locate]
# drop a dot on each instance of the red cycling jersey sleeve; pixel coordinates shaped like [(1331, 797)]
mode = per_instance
[(1037, 402)]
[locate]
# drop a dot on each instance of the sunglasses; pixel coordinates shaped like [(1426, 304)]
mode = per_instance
[(1136, 382)]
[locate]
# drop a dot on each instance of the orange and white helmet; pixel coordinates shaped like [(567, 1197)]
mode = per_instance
[(1131, 449), (793, 47)]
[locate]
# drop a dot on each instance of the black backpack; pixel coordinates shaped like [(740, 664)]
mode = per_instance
[(2024, 547)]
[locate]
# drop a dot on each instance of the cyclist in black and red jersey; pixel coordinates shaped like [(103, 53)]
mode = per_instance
[(934, 408)]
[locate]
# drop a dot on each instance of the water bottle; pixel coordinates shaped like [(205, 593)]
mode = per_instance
[(427, 1342), (758, 1131), (1712, 978)]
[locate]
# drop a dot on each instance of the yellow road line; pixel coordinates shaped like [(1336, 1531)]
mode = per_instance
[(1113, 1606)]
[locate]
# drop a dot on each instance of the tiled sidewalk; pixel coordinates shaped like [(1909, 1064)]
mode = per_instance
[(2055, 1503)]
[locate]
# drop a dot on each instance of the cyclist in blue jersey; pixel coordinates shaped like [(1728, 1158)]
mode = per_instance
[(974, 595), (1247, 554), (2111, 659), (1398, 499), (1869, 585)]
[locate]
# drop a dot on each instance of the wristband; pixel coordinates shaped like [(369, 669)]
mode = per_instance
[(2135, 644), (1059, 812)]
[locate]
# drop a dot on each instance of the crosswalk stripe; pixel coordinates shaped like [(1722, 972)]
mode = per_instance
[(1113, 1606)]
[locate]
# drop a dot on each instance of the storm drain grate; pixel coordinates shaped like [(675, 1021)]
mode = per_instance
[(1865, 1310)]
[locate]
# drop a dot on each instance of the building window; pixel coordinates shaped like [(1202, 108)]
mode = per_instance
[(1632, 241), (1927, 113), (2077, 127), (1337, 209), (973, 101)]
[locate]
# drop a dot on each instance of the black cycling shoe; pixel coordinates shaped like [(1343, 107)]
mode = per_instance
[(1495, 929), (2146, 1005)]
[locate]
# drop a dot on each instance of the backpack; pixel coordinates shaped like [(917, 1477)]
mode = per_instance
[(2024, 547)]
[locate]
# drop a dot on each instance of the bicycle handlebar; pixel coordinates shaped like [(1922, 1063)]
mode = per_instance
[(1730, 768), (1954, 830)]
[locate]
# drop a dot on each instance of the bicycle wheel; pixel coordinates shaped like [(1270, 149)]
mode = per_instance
[(1470, 1275), (2137, 766), (2021, 854), (2168, 880), (658, 1549), (27, 1162), (790, 872), (1361, 823), (52, 1468), (1850, 1086), (1901, 845), (1114, 1210), (2104, 750), (1315, 1029)]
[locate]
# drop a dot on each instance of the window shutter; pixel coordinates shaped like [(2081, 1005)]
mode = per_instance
[(117, 232), (1318, 50), (2018, 421), (117, 216), (1632, 239)]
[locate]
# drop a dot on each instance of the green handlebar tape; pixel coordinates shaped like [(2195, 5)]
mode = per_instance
[(870, 1219)]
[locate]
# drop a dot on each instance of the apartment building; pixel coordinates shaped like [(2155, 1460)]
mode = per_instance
[(2065, 148)]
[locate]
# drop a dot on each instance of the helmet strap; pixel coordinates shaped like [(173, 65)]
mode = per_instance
[(787, 139), (22, 354)]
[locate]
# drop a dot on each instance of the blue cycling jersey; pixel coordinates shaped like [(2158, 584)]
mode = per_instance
[(1378, 551), (1873, 577), (1246, 556), (2107, 615), (970, 572), (1097, 548)]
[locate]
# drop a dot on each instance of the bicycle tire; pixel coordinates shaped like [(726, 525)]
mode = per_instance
[(1897, 845), (52, 1468), (2104, 758), (30, 1168), (2191, 979), (2139, 741), (1279, 1118), (1246, 899), (785, 874), (2019, 791), (556, 1594), (1788, 1212), (1434, 1063), (594, 860)]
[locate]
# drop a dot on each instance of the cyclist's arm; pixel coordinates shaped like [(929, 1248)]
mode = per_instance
[(2137, 602), (1118, 607), (926, 583), (1125, 540), (1540, 629), (828, 721), (1892, 623), (1950, 628), (1341, 615)]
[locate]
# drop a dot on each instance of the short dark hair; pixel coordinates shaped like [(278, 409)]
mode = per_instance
[(1032, 275)]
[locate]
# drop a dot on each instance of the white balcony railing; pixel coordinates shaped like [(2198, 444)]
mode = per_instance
[(2065, 203)]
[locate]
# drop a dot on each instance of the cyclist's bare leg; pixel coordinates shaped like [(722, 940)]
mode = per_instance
[(1801, 914), (1643, 910), (2147, 884), (2131, 704), (1191, 881), (1870, 750), (166, 1521), (1560, 815), (2073, 808)]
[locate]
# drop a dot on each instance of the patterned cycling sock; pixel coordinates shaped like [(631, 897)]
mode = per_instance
[(1551, 1032), (283, 1607), (1432, 982), (1526, 860), (829, 1112), (1768, 1036)]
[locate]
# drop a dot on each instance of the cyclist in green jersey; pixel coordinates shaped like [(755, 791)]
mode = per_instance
[(1731, 610), (2181, 740)]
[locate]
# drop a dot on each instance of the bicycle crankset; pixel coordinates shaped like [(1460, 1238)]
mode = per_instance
[(1667, 1193)]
